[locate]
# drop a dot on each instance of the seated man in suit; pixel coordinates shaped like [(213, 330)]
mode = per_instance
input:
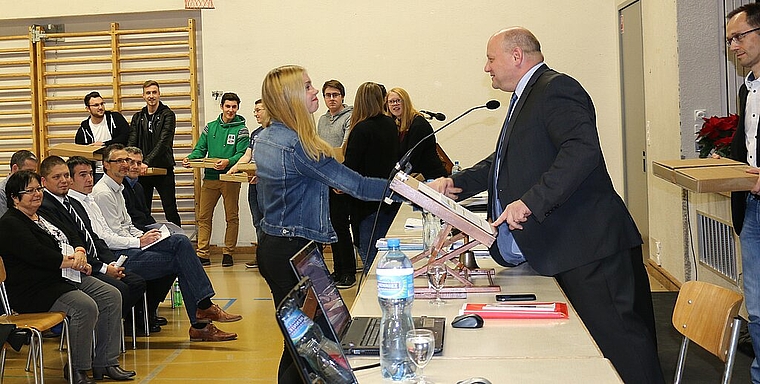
[(55, 179), (173, 255)]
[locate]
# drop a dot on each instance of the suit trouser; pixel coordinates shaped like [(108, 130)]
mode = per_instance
[(94, 306), (131, 287), (167, 191), (613, 298), (211, 190)]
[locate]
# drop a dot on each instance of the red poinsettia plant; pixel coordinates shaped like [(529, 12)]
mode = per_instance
[(716, 135)]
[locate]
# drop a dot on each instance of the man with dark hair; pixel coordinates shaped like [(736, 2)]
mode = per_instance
[(542, 188), (333, 127), (151, 254), (225, 139), (22, 160), (152, 130), (101, 128), (56, 179), (743, 39)]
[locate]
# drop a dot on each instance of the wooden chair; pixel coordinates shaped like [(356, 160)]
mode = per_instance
[(36, 323), (707, 315)]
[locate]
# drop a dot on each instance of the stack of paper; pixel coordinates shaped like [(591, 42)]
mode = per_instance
[(518, 310)]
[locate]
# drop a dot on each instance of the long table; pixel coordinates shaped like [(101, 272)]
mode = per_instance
[(534, 351)]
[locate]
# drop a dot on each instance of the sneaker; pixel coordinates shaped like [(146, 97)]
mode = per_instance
[(227, 260), (346, 282), (215, 313), (210, 333), (252, 264), (205, 261)]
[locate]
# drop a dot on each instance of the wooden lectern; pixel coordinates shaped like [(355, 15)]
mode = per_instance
[(474, 231)]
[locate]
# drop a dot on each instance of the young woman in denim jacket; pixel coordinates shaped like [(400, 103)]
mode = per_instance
[(296, 168)]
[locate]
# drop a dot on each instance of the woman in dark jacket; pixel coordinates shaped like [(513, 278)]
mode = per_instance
[(47, 270), (371, 150), (412, 128)]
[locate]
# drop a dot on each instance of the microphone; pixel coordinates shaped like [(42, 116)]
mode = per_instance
[(403, 163), (434, 115)]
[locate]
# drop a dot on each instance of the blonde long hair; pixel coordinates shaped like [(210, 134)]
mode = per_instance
[(284, 98), (368, 103), (409, 113)]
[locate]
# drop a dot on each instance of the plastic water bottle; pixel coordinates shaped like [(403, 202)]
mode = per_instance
[(395, 293), (324, 355), (456, 167), (176, 294)]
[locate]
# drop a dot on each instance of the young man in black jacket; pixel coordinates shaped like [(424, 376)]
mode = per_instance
[(152, 130)]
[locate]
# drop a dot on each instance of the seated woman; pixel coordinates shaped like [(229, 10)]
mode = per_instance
[(37, 256), (412, 127), (371, 150)]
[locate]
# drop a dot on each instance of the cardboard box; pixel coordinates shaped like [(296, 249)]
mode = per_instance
[(70, 149), (716, 179), (249, 168), (155, 171), (666, 169), (240, 177), (206, 162)]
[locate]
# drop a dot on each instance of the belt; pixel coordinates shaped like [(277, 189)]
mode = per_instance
[(754, 196)]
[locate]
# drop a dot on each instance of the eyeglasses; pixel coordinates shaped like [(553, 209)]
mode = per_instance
[(737, 38), (332, 95), (31, 190), (395, 101), (257, 110), (125, 161), (103, 104)]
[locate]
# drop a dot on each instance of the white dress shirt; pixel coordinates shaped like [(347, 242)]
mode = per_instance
[(107, 193), (751, 118), (100, 226)]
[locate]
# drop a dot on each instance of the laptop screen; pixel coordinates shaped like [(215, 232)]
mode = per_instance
[(296, 316), (309, 262)]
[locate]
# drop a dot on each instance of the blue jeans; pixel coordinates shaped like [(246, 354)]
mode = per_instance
[(368, 237), (173, 256), (750, 243), (256, 214)]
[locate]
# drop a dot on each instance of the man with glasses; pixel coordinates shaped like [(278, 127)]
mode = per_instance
[(333, 127), (22, 160), (101, 128), (151, 255), (743, 39)]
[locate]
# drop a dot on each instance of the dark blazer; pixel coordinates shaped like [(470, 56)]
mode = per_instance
[(134, 198), (52, 207), (32, 260), (424, 159), (739, 153), (553, 162)]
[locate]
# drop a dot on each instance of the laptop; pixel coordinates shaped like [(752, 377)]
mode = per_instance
[(302, 303), (357, 335)]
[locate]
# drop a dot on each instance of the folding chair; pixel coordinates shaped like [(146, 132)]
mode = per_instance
[(36, 323), (707, 315)]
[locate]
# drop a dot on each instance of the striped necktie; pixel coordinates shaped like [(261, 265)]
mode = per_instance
[(91, 250)]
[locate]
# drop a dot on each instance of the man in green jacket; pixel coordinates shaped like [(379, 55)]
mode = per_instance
[(225, 139)]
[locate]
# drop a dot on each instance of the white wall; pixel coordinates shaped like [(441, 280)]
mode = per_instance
[(434, 49)]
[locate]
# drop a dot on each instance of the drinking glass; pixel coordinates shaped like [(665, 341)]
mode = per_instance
[(420, 345), (436, 274)]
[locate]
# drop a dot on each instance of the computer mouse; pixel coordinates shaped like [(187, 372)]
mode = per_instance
[(475, 380), (470, 320)]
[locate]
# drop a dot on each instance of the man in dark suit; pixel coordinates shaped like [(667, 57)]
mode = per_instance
[(554, 205), (743, 38), (55, 179)]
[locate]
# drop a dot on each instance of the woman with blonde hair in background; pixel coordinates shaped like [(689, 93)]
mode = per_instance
[(371, 150), (296, 168), (412, 127)]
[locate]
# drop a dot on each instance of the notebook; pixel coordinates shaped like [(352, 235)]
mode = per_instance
[(303, 298), (358, 335)]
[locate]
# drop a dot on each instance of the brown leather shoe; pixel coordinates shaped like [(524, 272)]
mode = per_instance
[(215, 313), (211, 333)]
